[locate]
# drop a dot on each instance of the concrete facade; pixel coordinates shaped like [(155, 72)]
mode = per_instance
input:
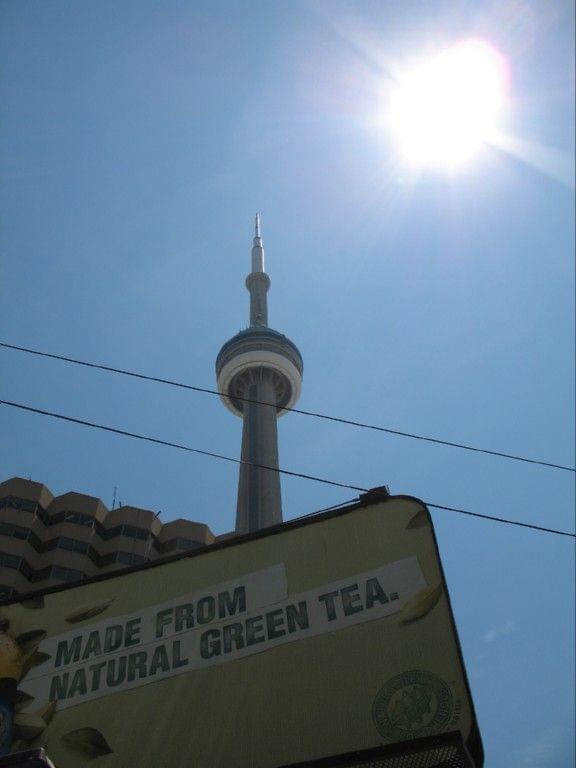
[(47, 540)]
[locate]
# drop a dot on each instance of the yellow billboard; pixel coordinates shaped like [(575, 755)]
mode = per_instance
[(323, 637)]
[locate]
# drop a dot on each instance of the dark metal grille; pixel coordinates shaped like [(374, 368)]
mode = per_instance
[(445, 757), (443, 751)]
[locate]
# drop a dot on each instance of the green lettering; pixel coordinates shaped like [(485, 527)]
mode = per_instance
[(205, 610), (274, 619), (116, 672), (375, 593), (231, 606), (350, 595), (113, 638), (233, 634), (328, 600), (59, 687), (92, 647), (78, 685), (177, 660), (159, 660), (68, 653), (210, 644), (297, 615), (162, 619), (253, 627), (132, 632), (137, 665), (183, 617), (96, 670)]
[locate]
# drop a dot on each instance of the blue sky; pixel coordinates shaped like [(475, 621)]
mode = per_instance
[(138, 140)]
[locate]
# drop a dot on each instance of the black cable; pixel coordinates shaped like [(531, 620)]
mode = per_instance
[(460, 511), (502, 520), (180, 447), (263, 466), (316, 415)]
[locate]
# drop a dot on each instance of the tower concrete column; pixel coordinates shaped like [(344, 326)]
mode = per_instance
[(259, 497), (259, 374)]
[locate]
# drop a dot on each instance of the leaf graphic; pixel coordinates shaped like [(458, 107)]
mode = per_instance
[(28, 725), (34, 659), (21, 700), (34, 603), (419, 520), (87, 741), (47, 711), (29, 641), (420, 605), (87, 611)]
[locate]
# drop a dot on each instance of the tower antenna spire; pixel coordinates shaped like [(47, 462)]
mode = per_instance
[(258, 266)]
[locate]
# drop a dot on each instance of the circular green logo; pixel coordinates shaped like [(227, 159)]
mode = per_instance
[(412, 704)]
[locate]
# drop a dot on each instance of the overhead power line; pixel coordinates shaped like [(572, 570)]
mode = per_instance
[(179, 446), (302, 412), (501, 520), (316, 479)]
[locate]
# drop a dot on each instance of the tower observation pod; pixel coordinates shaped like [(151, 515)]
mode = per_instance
[(259, 373)]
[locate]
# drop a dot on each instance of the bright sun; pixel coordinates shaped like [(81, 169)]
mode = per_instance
[(447, 107)]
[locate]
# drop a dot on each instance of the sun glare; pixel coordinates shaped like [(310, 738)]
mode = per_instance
[(446, 108)]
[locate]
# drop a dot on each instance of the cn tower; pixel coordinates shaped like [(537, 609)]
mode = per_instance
[(259, 373)]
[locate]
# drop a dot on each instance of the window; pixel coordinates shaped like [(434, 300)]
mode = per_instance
[(72, 544), (131, 531), (103, 560), (177, 543), (32, 575), (54, 571), (108, 533), (9, 561), (65, 574), (23, 505), (15, 531), (79, 518), (128, 558), (34, 541), (135, 533), (57, 517), (186, 544)]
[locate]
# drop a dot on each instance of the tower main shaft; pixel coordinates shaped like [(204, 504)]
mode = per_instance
[(259, 374), (259, 496)]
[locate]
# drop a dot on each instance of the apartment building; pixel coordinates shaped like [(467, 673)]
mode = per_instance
[(47, 540)]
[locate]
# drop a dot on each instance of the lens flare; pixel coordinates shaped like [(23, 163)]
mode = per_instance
[(447, 107)]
